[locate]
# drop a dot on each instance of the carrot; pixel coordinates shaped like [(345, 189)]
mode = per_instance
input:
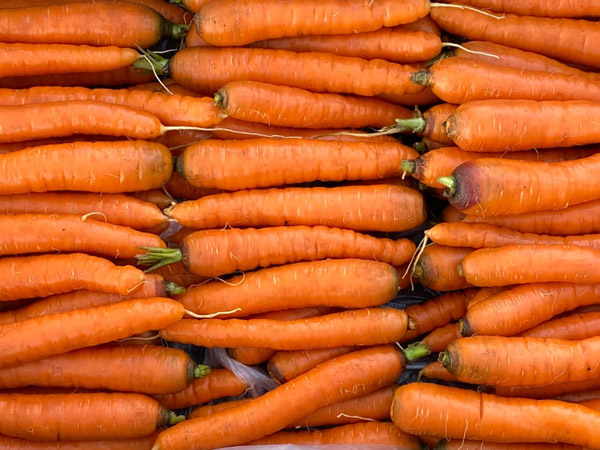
[(216, 384), (24, 60), (231, 22), (293, 107), (143, 443), (436, 371), (484, 293), (193, 39), (572, 39), (552, 8), (157, 197), (530, 264), (437, 312), (362, 327), (429, 124), (98, 416), (341, 379), (155, 370), (259, 163), (218, 252), (425, 23), (456, 444), (169, 109), (175, 273), (191, 5), (167, 83), (440, 162), (178, 187), (574, 390), (314, 71), (250, 356), (391, 44), (436, 341), (461, 414), (575, 326), (460, 80), (8, 147), (360, 208), (425, 97), (126, 166), (208, 410), (437, 268), (578, 397), (120, 24), (373, 433), (283, 366), (488, 360)]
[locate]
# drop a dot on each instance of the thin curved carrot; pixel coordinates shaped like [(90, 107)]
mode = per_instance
[(283, 366), (564, 391), (343, 378), (437, 268), (575, 326), (143, 443), (293, 107), (436, 371), (550, 8), (259, 163), (157, 197), (429, 124)]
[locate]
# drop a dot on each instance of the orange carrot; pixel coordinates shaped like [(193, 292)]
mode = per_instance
[(549, 8), (157, 197), (208, 410), (251, 356), (576, 326), (362, 327), (429, 124), (178, 187), (578, 397), (176, 273), (283, 366), (436, 341), (293, 107), (484, 293), (425, 97), (559, 390), (436, 371), (437, 268), (425, 23), (456, 444), (143, 443)]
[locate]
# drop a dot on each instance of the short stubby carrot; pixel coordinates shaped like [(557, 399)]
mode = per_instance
[(59, 333), (437, 268), (362, 327), (294, 107), (143, 443), (572, 327), (519, 124), (219, 252), (489, 360), (463, 414), (284, 366), (116, 167), (537, 263), (341, 379), (549, 8), (231, 23), (44, 275), (259, 163), (27, 60), (360, 208), (147, 369), (81, 417), (333, 282)]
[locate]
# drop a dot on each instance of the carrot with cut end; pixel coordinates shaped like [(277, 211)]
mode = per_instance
[(143, 443), (283, 366), (436, 371), (293, 107), (156, 370), (219, 252), (462, 414), (437, 268), (573, 327), (377, 207), (260, 163), (59, 333), (341, 379), (429, 124), (549, 8), (361, 327)]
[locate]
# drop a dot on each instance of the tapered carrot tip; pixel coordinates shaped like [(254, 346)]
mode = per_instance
[(174, 419), (420, 147), (445, 359), (408, 166), (416, 351), (173, 288), (464, 328), (421, 77), (201, 370), (412, 125), (157, 257), (450, 183)]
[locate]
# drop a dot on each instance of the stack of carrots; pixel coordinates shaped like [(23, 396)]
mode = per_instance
[(239, 174)]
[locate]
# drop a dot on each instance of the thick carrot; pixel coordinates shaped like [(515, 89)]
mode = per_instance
[(283, 366), (157, 197), (461, 444), (366, 433), (391, 44), (437, 312), (219, 252), (575, 390), (259, 163), (361, 327), (126, 166), (148, 370), (489, 360), (7, 147), (25, 60), (429, 124), (576, 326), (207, 69), (436, 341), (522, 264), (549, 8), (343, 378), (143, 443), (176, 273), (169, 109), (460, 80), (484, 293), (233, 22), (293, 107), (360, 208), (437, 268), (216, 384), (59, 333), (436, 371), (120, 24), (80, 417), (572, 39), (462, 414)]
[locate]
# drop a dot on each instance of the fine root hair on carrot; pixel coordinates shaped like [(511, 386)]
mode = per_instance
[(229, 283), (452, 44), (365, 419), (93, 213), (470, 8), (412, 264), (139, 338), (146, 55), (210, 316)]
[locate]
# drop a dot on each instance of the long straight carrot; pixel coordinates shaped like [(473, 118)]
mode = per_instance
[(575, 326), (120, 24), (294, 107), (148, 370), (343, 378), (359, 208), (25, 60), (549, 8), (169, 109), (283, 366), (462, 414), (98, 416), (437, 268), (126, 166), (259, 163), (219, 252), (143, 443)]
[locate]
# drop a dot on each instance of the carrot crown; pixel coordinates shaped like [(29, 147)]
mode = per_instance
[(175, 30), (450, 183), (201, 370), (173, 288), (416, 351), (408, 166), (152, 63), (421, 77), (156, 257), (445, 359)]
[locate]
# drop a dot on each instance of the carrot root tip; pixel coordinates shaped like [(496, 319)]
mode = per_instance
[(201, 370), (416, 351)]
